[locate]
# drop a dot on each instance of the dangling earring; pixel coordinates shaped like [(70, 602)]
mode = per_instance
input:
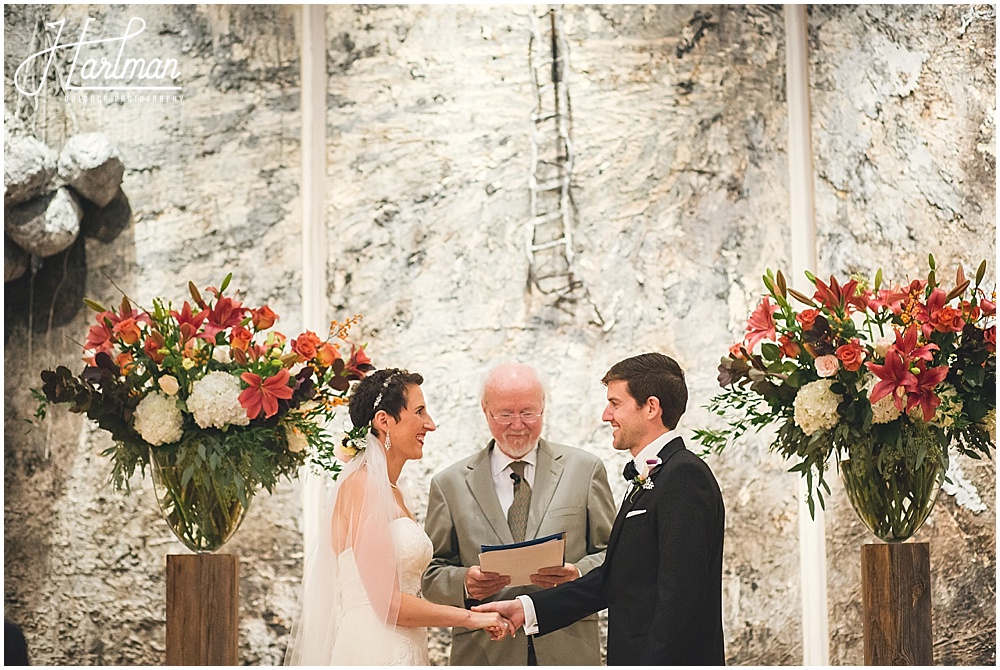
[(388, 442)]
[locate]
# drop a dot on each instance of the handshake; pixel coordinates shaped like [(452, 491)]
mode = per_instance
[(511, 614), (481, 585)]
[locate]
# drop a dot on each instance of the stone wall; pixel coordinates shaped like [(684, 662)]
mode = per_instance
[(680, 202)]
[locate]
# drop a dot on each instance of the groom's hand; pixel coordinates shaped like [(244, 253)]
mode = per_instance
[(549, 577), (482, 585), (511, 610)]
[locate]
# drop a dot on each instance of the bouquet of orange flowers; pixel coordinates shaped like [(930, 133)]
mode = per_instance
[(210, 390), (887, 376)]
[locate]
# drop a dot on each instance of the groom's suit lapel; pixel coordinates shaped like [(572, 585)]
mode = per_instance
[(630, 502), (480, 482)]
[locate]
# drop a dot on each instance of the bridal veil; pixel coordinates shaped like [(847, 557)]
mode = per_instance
[(354, 523)]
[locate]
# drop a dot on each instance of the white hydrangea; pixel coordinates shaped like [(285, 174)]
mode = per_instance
[(816, 407), (215, 401), (884, 410), (158, 419)]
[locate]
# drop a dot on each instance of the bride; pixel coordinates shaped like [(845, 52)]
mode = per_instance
[(360, 601)]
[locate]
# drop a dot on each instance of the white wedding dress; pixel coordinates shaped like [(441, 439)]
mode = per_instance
[(362, 638)]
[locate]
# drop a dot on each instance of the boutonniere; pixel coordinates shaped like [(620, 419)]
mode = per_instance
[(642, 481)]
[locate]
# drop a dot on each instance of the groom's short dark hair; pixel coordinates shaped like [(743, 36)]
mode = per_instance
[(657, 375)]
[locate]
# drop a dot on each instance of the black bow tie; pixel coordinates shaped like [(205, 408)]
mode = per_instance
[(630, 473)]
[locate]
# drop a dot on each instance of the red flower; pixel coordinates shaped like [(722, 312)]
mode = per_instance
[(359, 364), (939, 316), (896, 379), (152, 346), (923, 394), (761, 323), (788, 346), (262, 395), (836, 298), (306, 344), (989, 307), (990, 335), (188, 322), (226, 313), (807, 318), (906, 346), (99, 336), (239, 338), (263, 318), (851, 355)]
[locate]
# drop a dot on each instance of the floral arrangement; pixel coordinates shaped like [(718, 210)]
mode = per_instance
[(887, 376), (212, 390)]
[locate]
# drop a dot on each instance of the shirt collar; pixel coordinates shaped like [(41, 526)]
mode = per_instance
[(500, 460), (651, 450)]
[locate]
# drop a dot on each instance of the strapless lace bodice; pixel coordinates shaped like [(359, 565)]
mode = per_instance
[(413, 554), (359, 641)]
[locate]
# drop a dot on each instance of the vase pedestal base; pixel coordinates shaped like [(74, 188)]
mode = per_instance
[(896, 596), (203, 606)]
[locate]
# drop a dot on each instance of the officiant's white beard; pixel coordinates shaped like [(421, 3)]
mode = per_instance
[(516, 446)]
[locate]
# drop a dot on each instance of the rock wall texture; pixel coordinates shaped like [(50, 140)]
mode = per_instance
[(212, 180), (680, 203)]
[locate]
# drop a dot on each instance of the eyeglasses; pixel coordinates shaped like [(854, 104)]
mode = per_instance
[(507, 418)]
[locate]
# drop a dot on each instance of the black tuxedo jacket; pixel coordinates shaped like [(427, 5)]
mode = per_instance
[(661, 581)]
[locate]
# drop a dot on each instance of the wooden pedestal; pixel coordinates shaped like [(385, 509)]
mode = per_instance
[(203, 604), (896, 594)]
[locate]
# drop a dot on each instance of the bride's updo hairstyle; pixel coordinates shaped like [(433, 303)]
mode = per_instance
[(381, 390)]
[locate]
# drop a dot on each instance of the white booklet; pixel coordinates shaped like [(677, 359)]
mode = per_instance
[(523, 559)]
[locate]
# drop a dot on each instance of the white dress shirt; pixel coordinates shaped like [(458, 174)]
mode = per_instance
[(504, 485), (649, 452)]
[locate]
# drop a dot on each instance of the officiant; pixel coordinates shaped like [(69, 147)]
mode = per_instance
[(519, 487)]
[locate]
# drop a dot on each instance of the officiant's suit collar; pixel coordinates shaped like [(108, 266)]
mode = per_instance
[(548, 470)]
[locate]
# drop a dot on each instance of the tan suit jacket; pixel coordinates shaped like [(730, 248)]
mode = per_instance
[(570, 493)]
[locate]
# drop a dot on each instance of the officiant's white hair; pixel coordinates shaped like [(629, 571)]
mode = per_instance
[(513, 368)]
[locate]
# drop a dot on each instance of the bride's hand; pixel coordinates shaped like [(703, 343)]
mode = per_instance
[(497, 626)]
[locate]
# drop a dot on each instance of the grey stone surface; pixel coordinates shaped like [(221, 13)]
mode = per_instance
[(45, 225), (681, 201), (29, 166), (15, 260), (91, 164)]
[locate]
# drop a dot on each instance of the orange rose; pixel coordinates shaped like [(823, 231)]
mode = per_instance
[(807, 317), (125, 363), (127, 331), (948, 320), (306, 344), (327, 354), (263, 318), (851, 355), (239, 338)]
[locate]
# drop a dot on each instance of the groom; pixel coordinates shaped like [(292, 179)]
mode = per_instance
[(661, 580)]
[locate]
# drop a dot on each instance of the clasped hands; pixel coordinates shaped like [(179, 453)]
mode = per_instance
[(482, 585)]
